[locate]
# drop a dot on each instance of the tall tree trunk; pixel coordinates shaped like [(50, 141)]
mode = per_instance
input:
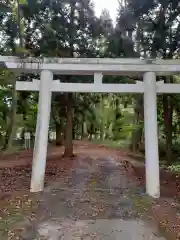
[(73, 132), (102, 134), (168, 114), (69, 106), (138, 132), (59, 134), (137, 136), (84, 130), (11, 126), (69, 125), (117, 108)]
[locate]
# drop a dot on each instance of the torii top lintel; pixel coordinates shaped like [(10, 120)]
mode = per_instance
[(88, 66)]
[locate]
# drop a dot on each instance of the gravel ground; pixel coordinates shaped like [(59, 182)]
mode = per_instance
[(96, 201)]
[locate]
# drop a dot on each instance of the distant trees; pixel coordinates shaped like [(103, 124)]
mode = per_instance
[(69, 28)]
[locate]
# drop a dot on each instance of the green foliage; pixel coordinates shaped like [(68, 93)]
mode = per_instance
[(174, 168), (23, 2), (65, 28), (113, 144)]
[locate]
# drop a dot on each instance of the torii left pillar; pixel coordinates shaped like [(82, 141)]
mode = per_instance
[(42, 127)]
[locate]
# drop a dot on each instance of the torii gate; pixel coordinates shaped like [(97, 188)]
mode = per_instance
[(97, 67)]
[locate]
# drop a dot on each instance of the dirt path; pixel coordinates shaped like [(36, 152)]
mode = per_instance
[(96, 200)]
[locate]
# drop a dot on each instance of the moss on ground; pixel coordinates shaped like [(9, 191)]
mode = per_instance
[(142, 204)]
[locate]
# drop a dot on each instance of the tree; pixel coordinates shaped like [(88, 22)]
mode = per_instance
[(12, 28), (70, 33), (155, 27)]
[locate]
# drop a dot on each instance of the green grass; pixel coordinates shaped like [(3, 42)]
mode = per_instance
[(112, 144)]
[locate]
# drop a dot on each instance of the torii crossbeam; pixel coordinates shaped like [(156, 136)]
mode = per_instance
[(149, 69)]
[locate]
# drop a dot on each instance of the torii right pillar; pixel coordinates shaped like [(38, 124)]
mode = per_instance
[(151, 136)]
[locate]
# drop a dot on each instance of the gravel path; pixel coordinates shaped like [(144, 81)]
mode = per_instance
[(97, 201)]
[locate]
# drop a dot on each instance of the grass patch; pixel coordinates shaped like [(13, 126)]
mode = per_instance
[(174, 168), (112, 144), (142, 204)]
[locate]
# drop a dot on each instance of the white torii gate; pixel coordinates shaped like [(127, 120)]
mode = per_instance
[(97, 67)]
